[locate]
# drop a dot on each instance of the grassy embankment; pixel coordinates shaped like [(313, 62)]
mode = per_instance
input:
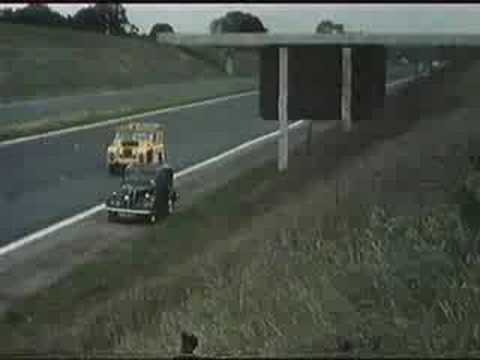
[(37, 62), (309, 271)]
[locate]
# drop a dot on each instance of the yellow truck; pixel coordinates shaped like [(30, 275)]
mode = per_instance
[(136, 143)]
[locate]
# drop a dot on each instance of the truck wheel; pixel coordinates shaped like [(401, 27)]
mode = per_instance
[(111, 169), (112, 216)]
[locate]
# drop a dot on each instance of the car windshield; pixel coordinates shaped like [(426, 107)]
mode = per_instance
[(139, 175), (133, 136)]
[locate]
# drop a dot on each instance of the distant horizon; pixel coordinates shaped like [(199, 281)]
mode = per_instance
[(283, 18)]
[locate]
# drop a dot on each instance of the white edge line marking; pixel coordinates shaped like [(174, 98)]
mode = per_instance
[(39, 234), (125, 118), (85, 214), (237, 149)]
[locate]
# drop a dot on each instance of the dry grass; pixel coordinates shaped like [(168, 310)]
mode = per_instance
[(398, 283)]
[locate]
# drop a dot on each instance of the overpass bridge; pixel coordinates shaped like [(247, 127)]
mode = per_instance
[(318, 77)]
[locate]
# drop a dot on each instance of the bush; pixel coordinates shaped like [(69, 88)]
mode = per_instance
[(34, 14)]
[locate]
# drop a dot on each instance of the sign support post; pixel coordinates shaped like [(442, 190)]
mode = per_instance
[(229, 64), (283, 109)]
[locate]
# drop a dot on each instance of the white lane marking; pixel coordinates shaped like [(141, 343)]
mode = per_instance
[(125, 118), (39, 234), (35, 101), (85, 214), (239, 148)]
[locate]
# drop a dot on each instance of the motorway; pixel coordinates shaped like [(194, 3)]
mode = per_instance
[(47, 180)]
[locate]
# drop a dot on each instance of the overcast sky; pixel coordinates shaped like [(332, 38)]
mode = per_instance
[(303, 18)]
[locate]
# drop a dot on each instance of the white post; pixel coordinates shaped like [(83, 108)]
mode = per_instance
[(283, 108), (347, 88), (308, 142), (229, 65)]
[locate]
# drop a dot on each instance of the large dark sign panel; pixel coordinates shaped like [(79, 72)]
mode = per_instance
[(314, 77), (368, 80), (316, 82), (269, 83)]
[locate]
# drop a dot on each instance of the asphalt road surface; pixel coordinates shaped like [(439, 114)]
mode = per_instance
[(46, 180), (49, 179)]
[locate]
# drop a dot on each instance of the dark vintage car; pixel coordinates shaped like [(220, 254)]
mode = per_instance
[(146, 190)]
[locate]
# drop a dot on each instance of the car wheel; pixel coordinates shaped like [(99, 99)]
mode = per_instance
[(152, 218), (112, 216)]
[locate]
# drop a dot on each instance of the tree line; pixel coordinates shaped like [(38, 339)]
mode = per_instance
[(102, 17), (111, 19)]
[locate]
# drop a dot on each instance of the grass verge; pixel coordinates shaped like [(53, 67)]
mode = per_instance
[(355, 281), (38, 62)]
